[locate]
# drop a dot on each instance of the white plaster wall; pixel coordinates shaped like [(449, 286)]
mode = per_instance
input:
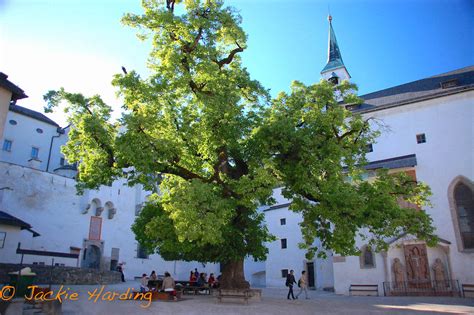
[(50, 204), (341, 73), (255, 272), (289, 258), (292, 257), (448, 152), (12, 238), (24, 136), (448, 123), (349, 272)]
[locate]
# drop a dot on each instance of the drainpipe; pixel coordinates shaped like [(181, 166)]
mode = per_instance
[(60, 132)]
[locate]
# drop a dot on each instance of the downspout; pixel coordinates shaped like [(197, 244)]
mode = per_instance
[(60, 132)]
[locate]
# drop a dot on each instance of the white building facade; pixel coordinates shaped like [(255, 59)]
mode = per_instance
[(428, 133)]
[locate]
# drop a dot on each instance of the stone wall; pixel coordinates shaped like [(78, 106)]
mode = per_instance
[(63, 275)]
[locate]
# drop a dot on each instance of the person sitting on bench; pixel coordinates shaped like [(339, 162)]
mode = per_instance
[(144, 283), (169, 285)]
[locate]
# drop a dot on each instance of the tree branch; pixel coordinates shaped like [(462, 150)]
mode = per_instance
[(230, 57)]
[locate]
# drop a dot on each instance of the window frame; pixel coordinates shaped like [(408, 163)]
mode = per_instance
[(141, 253), (460, 179), (3, 236), (421, 138), (283, 243), (363, 251), (37, 153), (4, 146)]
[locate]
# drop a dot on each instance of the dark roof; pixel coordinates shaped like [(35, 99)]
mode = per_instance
[(8, 219), (456, 81), (283, 205), (33, 114), (17, 93), (392, 163), (334, 54)]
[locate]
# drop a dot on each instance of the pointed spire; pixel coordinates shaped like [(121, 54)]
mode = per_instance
[(334, 54)]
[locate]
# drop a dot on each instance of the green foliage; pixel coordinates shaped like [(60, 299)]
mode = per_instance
[(318, 149), (207, 133)]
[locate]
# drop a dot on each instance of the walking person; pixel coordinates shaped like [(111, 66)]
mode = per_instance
[(290, 280), (302, 283), (120, 269)]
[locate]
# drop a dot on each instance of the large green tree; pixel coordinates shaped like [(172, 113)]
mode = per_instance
[(209, 135)]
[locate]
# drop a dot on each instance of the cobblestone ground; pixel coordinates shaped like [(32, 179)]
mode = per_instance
[(273, 302)]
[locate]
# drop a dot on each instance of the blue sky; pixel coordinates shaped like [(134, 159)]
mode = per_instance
[(46, 44)]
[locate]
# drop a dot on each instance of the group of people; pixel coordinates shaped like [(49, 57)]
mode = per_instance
[(201, 279), (302, 284), (150, 283)]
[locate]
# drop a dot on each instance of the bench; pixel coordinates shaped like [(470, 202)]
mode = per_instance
[(233, 296), (468, 290), (364, 289), (195, 290)]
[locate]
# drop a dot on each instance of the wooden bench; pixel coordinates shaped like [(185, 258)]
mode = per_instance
[(364, 289), (196, 290), (468, 290), (233, 296)]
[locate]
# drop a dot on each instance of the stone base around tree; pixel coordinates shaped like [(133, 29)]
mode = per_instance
[(238, 295)]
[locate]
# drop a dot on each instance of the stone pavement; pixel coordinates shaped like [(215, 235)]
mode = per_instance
[(273, 302)]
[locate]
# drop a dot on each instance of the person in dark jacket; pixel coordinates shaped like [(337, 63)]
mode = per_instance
[(290, 280)]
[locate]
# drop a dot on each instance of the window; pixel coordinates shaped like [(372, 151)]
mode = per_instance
[(449, 83), (7, 145), (464, 200), (3, 235), (141, 252), (369, 148), (283, 221), (284, 273), (421, 138), (34, 153), (367, 259), (283, 243), (62, 162), (39, 130), (12, 122), (334, 80)]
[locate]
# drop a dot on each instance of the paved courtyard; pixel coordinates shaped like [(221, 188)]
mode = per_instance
[(273, 302)]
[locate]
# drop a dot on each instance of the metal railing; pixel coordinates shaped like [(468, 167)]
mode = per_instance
[(427, 288)]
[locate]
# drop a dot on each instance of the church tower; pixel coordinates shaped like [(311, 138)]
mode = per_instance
[(334, 71)]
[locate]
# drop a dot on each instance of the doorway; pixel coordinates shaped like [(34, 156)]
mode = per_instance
[(311, 276), (92, 257)]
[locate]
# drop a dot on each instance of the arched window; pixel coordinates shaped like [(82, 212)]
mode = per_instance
[(461, 199), (367, 258), (464, 200)]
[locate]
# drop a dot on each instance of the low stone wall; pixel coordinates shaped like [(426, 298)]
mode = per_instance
[(63, 275)]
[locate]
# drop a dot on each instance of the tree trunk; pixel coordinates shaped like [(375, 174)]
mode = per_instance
[(233, 276)]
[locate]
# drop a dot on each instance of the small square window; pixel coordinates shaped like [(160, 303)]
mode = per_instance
[(283, 243), (369, 148), (283, 221), (34, 153), (421, 138), (7, 145), (284, 273)]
